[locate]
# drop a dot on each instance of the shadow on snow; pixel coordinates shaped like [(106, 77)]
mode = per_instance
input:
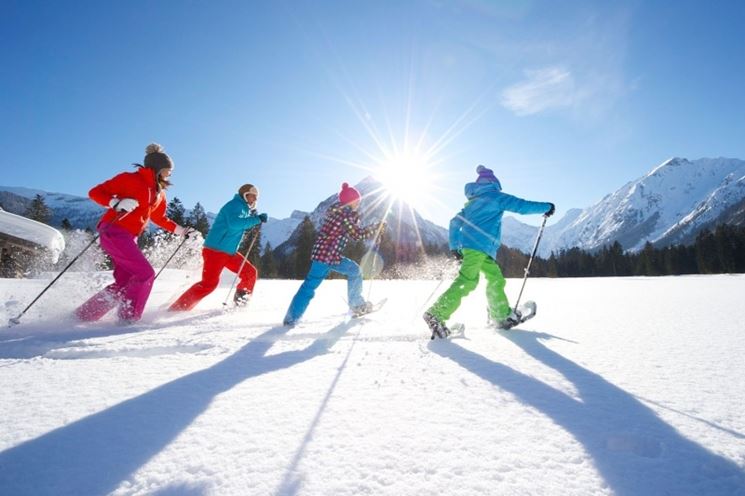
[(635, 451), (95, 454)]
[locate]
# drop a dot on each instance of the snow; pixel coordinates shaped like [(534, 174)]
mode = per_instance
[(78, 210), (33, 231), (277, 231), (669, 204), (626, 386)]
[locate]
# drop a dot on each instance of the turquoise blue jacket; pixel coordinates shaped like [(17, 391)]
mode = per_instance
[(231, 222), (479, 225)]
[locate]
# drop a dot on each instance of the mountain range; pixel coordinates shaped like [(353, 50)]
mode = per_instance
[(405, 226), (670, 204)]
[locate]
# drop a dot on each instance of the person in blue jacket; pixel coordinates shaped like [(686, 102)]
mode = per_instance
[(475, 237), (221, 250)]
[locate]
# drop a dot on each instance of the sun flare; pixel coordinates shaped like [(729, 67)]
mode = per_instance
[(406, 177)]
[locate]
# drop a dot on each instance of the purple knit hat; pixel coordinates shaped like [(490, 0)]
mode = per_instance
[(486, 176), (348, 194)]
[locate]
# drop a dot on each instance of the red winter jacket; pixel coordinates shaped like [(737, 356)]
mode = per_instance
[(141, 186)]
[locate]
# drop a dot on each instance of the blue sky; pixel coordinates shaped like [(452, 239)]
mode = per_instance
[(566, 101)]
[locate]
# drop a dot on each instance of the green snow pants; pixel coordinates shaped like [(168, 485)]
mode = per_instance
[(474, 262)]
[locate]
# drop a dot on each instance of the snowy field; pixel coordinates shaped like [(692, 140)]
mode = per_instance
[(629, 386)]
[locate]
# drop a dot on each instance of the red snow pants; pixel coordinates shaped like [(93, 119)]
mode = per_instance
[(214, 262)]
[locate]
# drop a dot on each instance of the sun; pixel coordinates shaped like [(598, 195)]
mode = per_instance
[(406, 177)]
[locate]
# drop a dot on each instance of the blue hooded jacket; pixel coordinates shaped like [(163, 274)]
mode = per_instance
[(227, 231), (479, 225)]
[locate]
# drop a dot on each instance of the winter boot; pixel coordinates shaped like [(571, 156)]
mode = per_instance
[(362, 309), (241, 297), (437, 326), (514, 318)]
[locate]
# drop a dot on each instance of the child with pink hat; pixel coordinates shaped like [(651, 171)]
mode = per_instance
[(341, 223)]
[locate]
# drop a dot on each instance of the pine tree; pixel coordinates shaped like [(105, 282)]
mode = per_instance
[(38, 210), (176, 211), (268, 263), (255, 255), (706, 254), (355, 250), (647, 264), (198, 219), (304, 248)]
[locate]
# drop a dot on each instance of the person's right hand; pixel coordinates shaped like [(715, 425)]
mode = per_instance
[(263, 218), (124, 204), (551, 210)]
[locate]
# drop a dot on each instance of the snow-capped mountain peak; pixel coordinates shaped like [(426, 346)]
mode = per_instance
[(670, 204)]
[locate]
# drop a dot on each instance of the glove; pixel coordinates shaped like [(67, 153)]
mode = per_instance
[(551, 210), (124, 204), (185, 231), (263, 218), (456, 254)]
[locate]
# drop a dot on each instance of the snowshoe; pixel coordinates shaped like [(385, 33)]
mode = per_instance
[(241, 298), (526, 311), (367, 307), (437, 326)]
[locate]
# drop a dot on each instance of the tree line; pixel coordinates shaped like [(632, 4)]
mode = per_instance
[(713, 252)]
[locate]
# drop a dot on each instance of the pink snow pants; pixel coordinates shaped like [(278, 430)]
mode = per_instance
[(133, 278)]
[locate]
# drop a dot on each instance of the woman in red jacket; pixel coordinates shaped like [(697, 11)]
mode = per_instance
[(133, 199)]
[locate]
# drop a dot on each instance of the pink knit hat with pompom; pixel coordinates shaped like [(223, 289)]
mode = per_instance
[(348, 194)]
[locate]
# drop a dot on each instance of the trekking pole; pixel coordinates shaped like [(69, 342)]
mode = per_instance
[(530, 260), (17, 320), (245, 259), (186, 237)]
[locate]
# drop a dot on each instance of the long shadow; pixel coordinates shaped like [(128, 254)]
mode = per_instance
[(36, 341), (95, 454), (635, 451), (291, 481)]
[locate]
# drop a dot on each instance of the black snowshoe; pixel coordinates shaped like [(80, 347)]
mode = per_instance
[(526, 311), (437, 326), (241, 298)]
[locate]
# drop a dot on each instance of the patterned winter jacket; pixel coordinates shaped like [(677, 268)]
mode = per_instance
[(340, 224)]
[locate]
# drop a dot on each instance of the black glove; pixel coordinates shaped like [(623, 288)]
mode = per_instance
[(456, 254), (551, 210), (263, 218)]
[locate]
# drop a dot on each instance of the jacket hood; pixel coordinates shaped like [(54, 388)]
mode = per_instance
[(473, 190)]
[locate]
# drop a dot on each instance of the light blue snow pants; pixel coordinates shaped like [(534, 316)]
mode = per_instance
[(317, 273)]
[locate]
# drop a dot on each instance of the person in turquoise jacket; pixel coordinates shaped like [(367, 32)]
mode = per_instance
[(221, 250), (475, 238)]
